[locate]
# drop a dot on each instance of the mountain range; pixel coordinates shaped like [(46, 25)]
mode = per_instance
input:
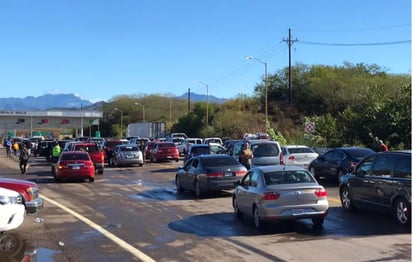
[(71, 101)]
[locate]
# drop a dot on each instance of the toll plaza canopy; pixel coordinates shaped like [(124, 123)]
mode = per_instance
[(27, 122)]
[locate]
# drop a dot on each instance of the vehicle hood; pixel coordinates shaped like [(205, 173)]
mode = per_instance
[(17, 182)]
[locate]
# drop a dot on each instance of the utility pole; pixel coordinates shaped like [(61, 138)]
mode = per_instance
[(290, 43), (188, 100)]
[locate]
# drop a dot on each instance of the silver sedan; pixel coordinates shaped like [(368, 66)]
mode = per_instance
[(272, 193)]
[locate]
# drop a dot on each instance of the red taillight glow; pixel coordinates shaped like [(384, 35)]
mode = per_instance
[(217, 174), (321, 192), (281, 159), (292, 158), (270, 196), (240, 173), (352, 164)]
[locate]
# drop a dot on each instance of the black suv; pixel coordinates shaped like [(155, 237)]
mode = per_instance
[(381, 181)]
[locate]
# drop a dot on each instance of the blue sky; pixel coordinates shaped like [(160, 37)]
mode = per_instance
[(100, 49)]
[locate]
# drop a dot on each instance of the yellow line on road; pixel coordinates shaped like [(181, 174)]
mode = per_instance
[(134, 251), (334, 200)]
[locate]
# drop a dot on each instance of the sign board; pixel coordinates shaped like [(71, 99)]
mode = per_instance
[(310, 127)]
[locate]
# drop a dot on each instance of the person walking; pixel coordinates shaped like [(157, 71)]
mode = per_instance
[(8, 144), (246, 155), (16, 148), (56, 150), (382, 147), (24, 159)]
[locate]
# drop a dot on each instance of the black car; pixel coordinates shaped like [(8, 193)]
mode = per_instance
[(209, 173), (337, 162), (381, 181)]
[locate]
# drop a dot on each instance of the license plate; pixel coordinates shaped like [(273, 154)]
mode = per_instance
[(75, 167), (169, 156), (228, 174)]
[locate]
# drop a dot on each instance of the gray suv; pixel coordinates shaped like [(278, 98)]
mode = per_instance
[(381, 181)]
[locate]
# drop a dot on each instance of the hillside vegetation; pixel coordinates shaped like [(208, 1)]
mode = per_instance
[(352, 104)]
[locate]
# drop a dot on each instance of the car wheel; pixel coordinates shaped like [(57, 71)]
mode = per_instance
[(318, 221), (100, 171), (91, 179), (179, 187), (402, 212), (312, 170), (198, 191), (236, 208), (346, 199), (256, 219), (341, 173)]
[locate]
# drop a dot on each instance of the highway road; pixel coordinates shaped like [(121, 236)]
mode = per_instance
[(135, 214)]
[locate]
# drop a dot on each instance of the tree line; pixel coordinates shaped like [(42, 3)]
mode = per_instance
[(351, 104)]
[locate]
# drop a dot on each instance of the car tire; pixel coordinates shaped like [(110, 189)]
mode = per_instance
[(318, 221), (100, 171), (346, 199), (235, 205), (91, 179), (198, 191), (312, 170), (341, 173), (402, 210), (257, 221), (179, 187)]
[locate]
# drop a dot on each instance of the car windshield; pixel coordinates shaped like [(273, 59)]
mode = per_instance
[(260, 150), (287, 177), (221, 161), (129, 148), (87, 148), (75, 157)]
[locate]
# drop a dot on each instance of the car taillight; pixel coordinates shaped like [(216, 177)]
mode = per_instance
[(215, 174), (30, 193), (281, 159), (292, 158), (240, 173), (321, 192), (270, 196)]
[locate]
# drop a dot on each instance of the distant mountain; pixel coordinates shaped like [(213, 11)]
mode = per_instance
[(202, 98), (71, 101), (49, 101)]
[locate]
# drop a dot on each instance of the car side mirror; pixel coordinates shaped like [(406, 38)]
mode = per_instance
[(361, 173)]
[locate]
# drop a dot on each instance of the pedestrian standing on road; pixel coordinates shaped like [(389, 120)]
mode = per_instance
[(8, 144), (24, 159), (16, 148), (246, 155)]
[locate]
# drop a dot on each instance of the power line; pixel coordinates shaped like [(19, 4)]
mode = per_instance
[(356, 44)]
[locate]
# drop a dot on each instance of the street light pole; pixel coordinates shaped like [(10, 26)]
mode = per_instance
[(143, 113), (207, 97), (121, 121), (266, 87)]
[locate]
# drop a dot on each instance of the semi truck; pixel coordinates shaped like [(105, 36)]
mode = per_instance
[(152, 130)]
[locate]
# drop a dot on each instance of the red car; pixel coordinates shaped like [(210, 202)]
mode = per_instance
[(164, 151), (28, 190), (95, 152), (74, 165)]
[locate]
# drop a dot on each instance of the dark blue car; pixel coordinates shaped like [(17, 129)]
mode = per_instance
[(337, 162)]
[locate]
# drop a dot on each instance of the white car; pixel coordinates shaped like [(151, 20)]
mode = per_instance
[(12, 210), (298, 155)]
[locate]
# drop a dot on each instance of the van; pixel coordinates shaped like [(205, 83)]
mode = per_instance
[(382, 182), (265, 152)]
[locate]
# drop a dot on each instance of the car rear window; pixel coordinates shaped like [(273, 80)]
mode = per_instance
[(87, 148), (287, 177), (360, 152), (75, 157), (129, 148), (200, 150), (162, 145), (219, 161), (300, 150), (261, 150)]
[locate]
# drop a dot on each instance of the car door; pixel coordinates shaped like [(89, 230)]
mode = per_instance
[(323, 163), (334, 162), (241, 192), (184, 176), (193, 172), (380, 181), (359, 183), (248, 193)]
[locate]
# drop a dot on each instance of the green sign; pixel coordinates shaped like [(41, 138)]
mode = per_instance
[(97, 134)]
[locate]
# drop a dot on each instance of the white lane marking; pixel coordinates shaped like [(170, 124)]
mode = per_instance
[(134, 251)]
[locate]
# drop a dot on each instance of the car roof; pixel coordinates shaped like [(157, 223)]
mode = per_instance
[(274, 168), (74, 152), (213, 156)]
